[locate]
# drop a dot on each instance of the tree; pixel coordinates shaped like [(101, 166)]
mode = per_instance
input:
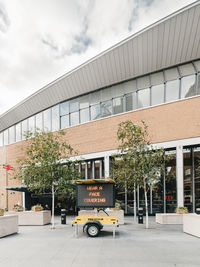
[(46, 166), (138, 163)]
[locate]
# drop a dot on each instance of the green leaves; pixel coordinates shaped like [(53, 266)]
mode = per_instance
[(137, 163), (41, 167)]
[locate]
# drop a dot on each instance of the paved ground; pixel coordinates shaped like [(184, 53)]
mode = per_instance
[(161, 245)]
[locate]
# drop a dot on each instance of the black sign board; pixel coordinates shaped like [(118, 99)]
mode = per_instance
[(98, 195)]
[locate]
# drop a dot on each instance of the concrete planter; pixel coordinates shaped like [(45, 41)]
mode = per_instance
[(8, 225), (191, 224), (169, 218), (118, 213), (33, 217)]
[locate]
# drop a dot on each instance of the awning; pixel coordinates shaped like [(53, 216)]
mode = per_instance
[(95, 181), (20, 188)]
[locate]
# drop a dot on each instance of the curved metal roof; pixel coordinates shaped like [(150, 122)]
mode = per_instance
[(171, 41)]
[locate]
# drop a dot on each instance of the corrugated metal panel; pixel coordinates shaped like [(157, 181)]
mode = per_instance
[(193, 31), (184, 21), (188, 31), (171, 41)]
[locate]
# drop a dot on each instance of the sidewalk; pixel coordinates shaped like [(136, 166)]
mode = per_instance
[(161, 245)]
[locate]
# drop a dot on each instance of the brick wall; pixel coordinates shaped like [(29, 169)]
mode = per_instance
[(167, 122)]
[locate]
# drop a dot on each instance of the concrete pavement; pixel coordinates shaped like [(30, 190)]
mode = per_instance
[(161, 245)]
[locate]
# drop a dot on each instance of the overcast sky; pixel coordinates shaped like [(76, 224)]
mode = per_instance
[(41, 40)]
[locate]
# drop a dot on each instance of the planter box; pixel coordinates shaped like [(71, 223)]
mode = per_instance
[(191, 224), (169, 218), (33, 217), (8, 225), (118, 213)]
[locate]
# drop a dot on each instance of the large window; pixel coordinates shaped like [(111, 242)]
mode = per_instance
[(12, 135), (188, 86), (157, 93), (118, 104), (1, 139), (24, 128), (153, 89), (74, 118), (47, 120), (39, 122), (64, 108), (64, 121), (172, 90), (5, 137), (55, 118), (95, 112), (143, 98), (106, 108), (18, 132), (131, 101), (31, 124), (74, 105), (84, 115)]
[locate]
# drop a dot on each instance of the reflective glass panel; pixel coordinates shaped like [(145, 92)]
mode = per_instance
[(106, 108), (12, 135), (129, 87), (171, 74), (64, 108), (197, 178), (5, 137), (198, 85), (188, 86), (47, 120), (170, 184), (117, 90), (18, 132), (84, 101), (95, 112), (74, 118), (24, 128), (106, 94), (118, 105), (55, 118), (157, 93), (1, 139), (131, 102), (95, 98), (172, 90), (38, 121), (143, 82), (31, 124), (84, 115), (74, 105), (64, 120), (143, 98), (188, 196)]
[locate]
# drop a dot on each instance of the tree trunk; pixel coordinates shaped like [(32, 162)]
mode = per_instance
[(52, 215), (146, 205), (134, 204)]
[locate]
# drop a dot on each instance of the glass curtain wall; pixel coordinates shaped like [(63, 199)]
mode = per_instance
[(150, 90), (191, 178)]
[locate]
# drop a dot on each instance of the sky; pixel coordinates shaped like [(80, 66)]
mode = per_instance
[(40, 40)]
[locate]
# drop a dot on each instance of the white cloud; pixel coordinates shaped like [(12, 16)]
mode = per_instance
[(42, 40)]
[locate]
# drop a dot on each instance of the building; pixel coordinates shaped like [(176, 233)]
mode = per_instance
[(154, 75)]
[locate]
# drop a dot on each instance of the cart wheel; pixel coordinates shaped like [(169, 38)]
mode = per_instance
[(93, 230)]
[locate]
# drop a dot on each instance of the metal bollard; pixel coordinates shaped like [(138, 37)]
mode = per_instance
[(113, 229), (76, 230)]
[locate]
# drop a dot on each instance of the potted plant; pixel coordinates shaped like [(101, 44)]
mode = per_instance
[(1, 212), (37, 207), (181, 210), (18, 207)]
